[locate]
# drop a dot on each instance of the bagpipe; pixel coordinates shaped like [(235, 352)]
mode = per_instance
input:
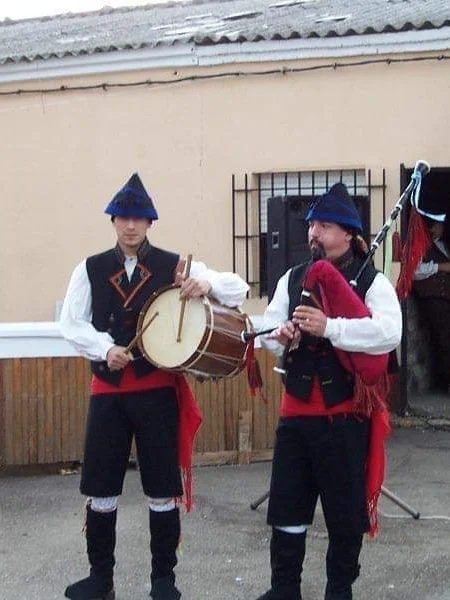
[(327, 289)]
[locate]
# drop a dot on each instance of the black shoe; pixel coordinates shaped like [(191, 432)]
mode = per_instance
[(91, 588), (287, 551), (342, 595), (101, 540), (281, 594), (342, 566), (164, 589)]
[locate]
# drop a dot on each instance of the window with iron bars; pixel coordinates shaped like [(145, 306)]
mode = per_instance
[(250, 198)]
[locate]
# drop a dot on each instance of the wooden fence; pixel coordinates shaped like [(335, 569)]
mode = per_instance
[(43, 404)]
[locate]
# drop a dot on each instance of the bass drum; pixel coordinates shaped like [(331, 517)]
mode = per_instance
[(210, 345)]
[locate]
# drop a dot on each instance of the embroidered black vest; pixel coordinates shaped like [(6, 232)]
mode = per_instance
[(117, 302), (316, 356)]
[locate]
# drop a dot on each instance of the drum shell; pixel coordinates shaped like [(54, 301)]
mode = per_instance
[(222, 339), (220, 352)]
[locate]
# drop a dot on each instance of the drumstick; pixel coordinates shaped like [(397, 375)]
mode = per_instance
[(183, 302), (141, 332)]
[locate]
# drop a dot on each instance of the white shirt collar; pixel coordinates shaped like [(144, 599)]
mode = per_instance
[(129, 263)]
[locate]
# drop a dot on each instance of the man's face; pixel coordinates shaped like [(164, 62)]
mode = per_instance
[(436, 230), (131, 232), (328, 238)]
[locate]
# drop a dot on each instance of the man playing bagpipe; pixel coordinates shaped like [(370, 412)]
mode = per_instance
[(333, 418)]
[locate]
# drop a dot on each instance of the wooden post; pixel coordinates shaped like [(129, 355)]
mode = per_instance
[(245, 437)]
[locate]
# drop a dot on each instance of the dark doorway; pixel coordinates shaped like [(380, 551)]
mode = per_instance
[(425, 376)]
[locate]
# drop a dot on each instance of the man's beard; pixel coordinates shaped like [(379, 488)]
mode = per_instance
[(317, 251)]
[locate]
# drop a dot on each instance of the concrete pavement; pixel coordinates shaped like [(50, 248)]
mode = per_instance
[(225, 547)]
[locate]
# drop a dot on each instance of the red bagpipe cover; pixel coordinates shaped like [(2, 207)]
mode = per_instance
[(338, 299)]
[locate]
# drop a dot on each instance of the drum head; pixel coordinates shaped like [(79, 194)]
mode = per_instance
[(159, 341)]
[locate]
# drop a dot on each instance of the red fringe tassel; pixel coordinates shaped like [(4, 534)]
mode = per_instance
[(371, 402), (369, 398), (254, 376), (418, 241), (376, 463), (397, 249)]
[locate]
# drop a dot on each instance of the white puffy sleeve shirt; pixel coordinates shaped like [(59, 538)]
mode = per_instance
[(76, 313), (377, 334)]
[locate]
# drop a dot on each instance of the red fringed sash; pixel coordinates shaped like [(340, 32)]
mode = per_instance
[(379, 430), (189, 421)]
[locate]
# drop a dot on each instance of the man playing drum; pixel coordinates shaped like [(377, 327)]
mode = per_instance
[(131, 397)]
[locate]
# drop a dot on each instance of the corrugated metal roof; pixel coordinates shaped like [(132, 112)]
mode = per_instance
[(212, 22)]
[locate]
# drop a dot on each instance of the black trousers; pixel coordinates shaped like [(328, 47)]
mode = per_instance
[(320, 457), (436, 314), (151, 417)]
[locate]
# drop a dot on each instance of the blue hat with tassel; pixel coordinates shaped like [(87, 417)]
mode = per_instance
[(132, 200), (336, 206)]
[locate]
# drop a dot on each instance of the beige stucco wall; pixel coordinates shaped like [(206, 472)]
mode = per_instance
[(64, 155)]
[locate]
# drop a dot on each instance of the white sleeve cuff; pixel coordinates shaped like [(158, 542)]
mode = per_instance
[(331, 329), (105, 348)]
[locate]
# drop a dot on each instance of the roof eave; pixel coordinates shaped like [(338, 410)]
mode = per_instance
[(192, 54)]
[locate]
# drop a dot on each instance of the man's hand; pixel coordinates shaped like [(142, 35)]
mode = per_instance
[(310, 320), (444, 267), (285, 333), (117, 358), (192, 288)]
